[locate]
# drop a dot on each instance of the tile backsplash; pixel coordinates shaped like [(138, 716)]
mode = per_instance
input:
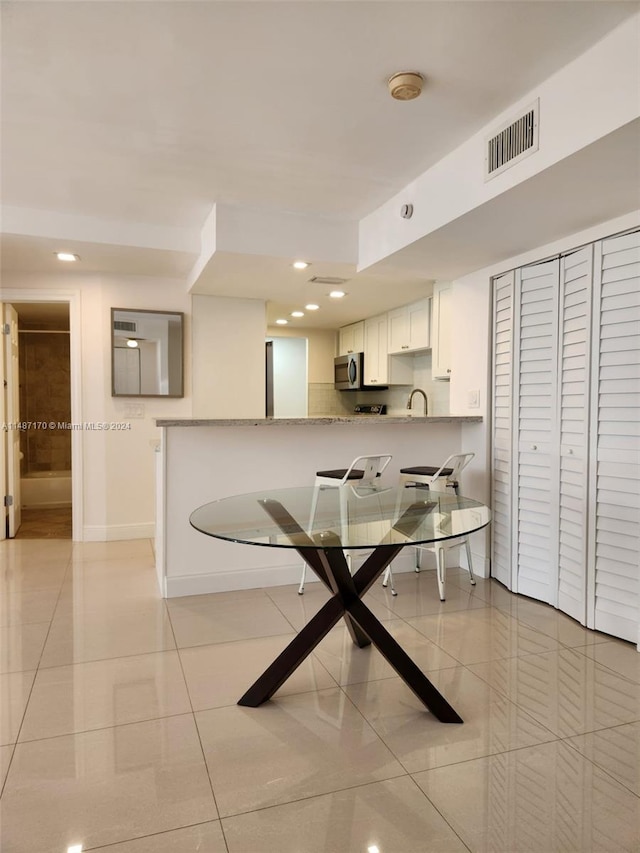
[(325, 400)]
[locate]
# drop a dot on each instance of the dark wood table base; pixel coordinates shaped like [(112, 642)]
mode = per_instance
[(326, 558)]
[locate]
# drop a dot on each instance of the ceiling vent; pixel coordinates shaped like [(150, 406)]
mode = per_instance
[(514, 141), (327, 279), (124, 326)]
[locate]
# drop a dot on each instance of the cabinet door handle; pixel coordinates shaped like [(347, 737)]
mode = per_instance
[(448, 370), (534, 446), (349, 351), (571, 452), (373, 380), (404, 346)]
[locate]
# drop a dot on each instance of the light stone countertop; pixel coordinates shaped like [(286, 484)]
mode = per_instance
[(361, 420)]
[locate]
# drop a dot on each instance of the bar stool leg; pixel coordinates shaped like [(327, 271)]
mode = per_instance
[(388, 576), (441, 569), (312, 515), (467, 546)]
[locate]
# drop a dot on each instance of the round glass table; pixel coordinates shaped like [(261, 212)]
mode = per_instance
[(321, 524)]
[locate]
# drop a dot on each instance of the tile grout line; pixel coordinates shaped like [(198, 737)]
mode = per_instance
[(604, 770), (195, 723), (455, 832), (33, 683)]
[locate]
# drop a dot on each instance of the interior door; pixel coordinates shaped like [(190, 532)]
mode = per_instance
[(501, 444), (576, 276), (535, 506), (614, 594), (3, 440), (12, 419)]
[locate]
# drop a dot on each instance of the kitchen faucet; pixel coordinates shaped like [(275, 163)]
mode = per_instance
[(426, 404)]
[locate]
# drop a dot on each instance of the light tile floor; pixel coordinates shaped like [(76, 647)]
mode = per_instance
[(119, 729)]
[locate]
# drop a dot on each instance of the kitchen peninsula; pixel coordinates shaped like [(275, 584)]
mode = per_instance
[(203, 460)]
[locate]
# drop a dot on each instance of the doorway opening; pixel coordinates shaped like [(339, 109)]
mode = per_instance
[(286, 372), (44, 375)]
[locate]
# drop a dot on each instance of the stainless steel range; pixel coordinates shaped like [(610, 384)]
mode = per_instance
[(370, 409)]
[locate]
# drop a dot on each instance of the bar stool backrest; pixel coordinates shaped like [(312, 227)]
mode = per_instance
[(457, 462)]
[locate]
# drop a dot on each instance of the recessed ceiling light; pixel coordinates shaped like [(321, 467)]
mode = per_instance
[(312, 307), (282, 322), (75, 848), (337, 294), (66, 256), (132, 343), (300, 265), (297, 313)]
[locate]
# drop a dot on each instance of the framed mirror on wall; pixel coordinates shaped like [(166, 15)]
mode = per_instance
[(146, 353)]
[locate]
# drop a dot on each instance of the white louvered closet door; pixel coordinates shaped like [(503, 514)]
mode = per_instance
[(576, 277), (501, 444), (614, 583), (535, 507)]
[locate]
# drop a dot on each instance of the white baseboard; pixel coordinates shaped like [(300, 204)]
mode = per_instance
[(257, 578), (228, 581), (111, 532)]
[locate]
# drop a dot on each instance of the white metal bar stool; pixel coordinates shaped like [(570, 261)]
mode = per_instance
[(447, 476), (363, 472)]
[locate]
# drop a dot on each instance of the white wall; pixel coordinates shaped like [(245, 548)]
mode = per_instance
[(118, 478), (228, 357), (321, 351), (289, 377), (589, 98)]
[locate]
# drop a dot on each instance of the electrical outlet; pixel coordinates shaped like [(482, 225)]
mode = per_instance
[(134, 410), (473, 399)]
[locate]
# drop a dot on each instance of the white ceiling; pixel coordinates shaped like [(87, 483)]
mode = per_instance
[(149, 113)]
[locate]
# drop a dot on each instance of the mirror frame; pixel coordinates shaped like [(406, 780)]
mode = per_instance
[(177, 314)]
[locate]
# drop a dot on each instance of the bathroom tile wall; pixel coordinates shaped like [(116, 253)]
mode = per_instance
[(45, 396)]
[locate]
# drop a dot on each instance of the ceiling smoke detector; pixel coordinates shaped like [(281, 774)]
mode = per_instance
[(405, 85)]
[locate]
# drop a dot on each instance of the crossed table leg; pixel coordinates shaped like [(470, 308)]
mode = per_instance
[(328, 561)]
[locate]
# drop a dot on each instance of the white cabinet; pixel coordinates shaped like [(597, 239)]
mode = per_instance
[(409, 327), (375, 351), (351, 338), (380, 368), (566, 416), (441, 331)]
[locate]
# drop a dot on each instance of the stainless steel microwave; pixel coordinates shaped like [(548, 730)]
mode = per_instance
[(348, 373)]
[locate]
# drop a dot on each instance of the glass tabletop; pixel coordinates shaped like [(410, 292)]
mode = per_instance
[(343, 517)]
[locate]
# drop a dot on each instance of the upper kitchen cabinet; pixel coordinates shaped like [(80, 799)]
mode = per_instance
[(380, 368), (441, 331), (409, 327), (376, 371), (351, 338)]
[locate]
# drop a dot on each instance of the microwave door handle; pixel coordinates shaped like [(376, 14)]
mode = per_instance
[(353, 372)]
